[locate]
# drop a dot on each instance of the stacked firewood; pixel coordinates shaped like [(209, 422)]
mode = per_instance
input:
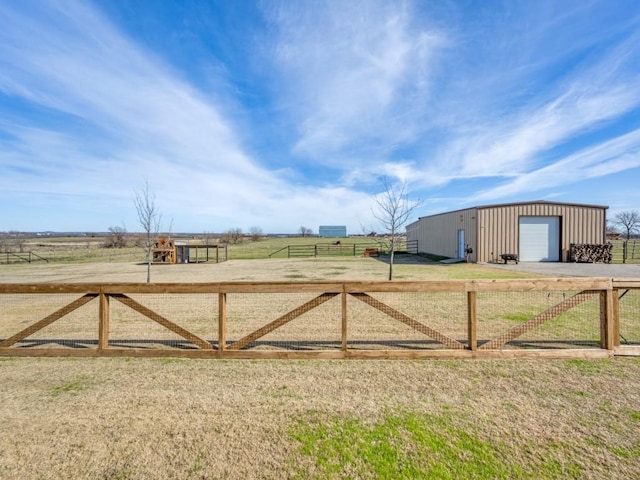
[(591, 253)]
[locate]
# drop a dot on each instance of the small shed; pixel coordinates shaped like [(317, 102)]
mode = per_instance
[(536, 231), (163, 250), (332, 231), (166, 250)]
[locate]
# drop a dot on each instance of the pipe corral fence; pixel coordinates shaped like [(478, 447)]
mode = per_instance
[(560, 317)]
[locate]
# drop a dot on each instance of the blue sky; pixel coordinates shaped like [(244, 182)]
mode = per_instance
[(281, 114)]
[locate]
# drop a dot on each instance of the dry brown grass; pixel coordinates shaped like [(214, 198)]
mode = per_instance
[(119, 418), (302, 269), (166, 418)]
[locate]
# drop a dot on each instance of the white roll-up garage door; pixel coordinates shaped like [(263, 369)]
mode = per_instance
[(539, 239)]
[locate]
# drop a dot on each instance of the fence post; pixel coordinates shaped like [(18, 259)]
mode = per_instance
[(344, 318), (472, 324), (607, 319), (222, 321), (103, 322), (616, 317), (624, 251)]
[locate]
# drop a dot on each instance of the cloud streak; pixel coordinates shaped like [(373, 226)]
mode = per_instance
[(617, 155), (147, 122), (360, 75)]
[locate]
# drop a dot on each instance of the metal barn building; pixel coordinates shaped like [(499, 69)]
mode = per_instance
[(537, 231), (332, 231)]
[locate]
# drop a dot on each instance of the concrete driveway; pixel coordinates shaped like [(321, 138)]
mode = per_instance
[(556, 269)]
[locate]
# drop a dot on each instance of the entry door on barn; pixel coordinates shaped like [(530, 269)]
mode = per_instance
[(539, 239)]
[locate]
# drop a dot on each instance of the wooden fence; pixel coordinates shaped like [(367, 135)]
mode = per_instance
[(563, 317), (327, 249), (22, 257)]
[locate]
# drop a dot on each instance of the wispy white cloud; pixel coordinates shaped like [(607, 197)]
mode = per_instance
[(528, 133), (359, 76), (616, 155), (508, 149), (150, 124)]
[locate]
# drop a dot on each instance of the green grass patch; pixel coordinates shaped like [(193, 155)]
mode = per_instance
[(518, 317), (277, 247), (409, 446), (588, 367), (170, 361), (635, 415), (76, 386)]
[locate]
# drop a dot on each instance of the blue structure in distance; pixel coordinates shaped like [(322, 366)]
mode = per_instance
[(332, 231)]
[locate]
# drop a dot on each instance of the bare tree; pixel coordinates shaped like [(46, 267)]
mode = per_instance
[(393, 211), (207, 238), (305, 232), (20, 242), (117, 237), (149, 218), (628, 221), (233, 235), (255, 233)]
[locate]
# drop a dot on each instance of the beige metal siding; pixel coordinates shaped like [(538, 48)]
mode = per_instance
[(499, 227), (493, 230), (438, 234)]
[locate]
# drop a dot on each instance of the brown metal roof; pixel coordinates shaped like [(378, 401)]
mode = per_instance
[(497, 205)]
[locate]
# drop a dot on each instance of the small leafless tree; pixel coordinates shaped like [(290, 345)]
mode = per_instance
[(305, 232), (628, 221), (393, 209), (207, 238), (233, 235), (21, 242), (5, 245), (117, 237), (149, 218), (255, 233)]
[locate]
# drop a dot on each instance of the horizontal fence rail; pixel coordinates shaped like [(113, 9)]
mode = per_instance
[(563, 317)]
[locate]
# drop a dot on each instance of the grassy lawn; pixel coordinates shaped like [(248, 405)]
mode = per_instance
[(166, 418), (277, 247), (124, 418), (91, 249)]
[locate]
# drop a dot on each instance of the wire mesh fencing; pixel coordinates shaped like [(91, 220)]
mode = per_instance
[(49, 320), (406, 321), (539, 319), (163, 321), (629, 316), (283, 321), (341, 319)]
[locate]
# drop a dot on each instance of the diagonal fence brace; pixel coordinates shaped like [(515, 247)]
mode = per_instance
[(156, 317), (286, 318), (48, 320), (539, 319), (416, 325)]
